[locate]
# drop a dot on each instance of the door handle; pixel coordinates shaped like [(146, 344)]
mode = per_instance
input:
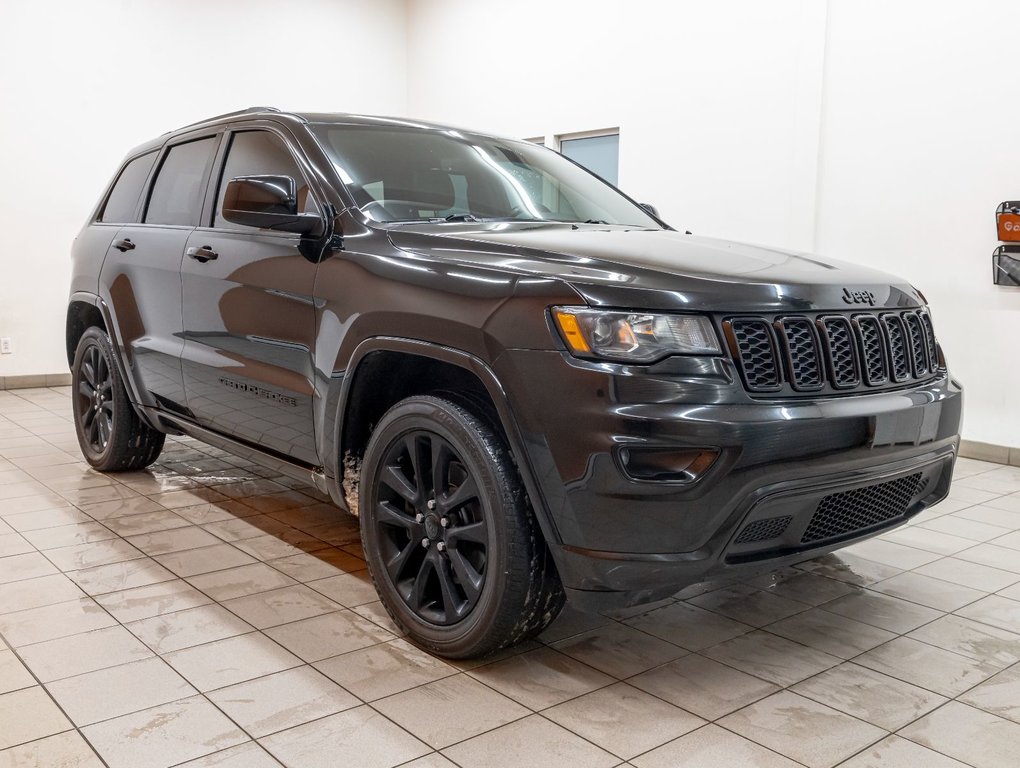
[(124, 245), (203, 254)]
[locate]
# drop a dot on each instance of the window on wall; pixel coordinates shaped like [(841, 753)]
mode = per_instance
[(600, 154)]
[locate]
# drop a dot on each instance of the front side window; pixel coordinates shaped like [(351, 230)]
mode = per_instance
[(410, 174), (180, 184), (122, 204), (261, 153)]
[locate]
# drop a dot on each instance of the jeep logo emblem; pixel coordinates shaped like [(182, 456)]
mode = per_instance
[(858, 297)]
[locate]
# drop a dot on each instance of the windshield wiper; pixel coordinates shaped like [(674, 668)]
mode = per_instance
[(461, 217), (595, 221)]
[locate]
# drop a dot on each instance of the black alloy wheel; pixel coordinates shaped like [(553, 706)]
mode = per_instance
[(455, 551), (432, 531), (95, 398), (112, 436)]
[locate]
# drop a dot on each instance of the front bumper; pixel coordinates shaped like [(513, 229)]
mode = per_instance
[(620, 542)]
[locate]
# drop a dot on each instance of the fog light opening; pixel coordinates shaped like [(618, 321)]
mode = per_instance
[(667, 465)]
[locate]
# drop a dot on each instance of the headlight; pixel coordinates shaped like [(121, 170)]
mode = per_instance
[(637, 337)]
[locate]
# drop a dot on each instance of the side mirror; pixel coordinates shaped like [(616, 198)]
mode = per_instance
[(651, 209), (267, 202)]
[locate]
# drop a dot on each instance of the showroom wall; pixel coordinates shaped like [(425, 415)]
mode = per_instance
[(84, 82), (876, 132), (919, 145)]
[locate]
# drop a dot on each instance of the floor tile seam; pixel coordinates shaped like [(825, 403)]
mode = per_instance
[(256, 739), (757, 698), (985, 592), (958, 697), (54, 702), (891, 673), (885, 731), (899, 732), (613, 679)]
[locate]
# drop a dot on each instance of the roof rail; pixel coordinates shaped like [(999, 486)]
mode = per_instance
[(248, 111)]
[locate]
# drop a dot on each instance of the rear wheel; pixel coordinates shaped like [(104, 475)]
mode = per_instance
[(111, 436), (454, 549)]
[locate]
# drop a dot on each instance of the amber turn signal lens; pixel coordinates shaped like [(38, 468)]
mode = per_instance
[(572, 332)]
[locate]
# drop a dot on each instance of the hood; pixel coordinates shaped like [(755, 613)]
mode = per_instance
[(659, 269)]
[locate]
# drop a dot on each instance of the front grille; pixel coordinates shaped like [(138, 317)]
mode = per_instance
[(793, 354), (839, 514), (764, 530)]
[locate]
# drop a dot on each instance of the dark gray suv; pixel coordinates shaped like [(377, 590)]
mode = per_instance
[(528, 386)]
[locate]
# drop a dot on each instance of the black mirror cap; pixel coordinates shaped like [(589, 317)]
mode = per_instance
[(651, 209), (267, 202)]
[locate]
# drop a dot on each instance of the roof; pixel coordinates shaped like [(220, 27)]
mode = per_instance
[(344, 118)]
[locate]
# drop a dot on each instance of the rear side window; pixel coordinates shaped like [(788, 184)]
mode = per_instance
[(180, 184), (123, 200), (259, 153)]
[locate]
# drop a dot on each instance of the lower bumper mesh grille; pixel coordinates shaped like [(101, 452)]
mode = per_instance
[(763, 530), (841, 513)]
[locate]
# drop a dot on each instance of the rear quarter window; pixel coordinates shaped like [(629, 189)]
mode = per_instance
[(121, 206)]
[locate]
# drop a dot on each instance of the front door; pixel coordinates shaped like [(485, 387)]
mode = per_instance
[(249, 319)]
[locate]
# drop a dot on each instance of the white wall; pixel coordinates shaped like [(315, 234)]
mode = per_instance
[(921, 141), (873, 131), (83, 82), (712, 99)]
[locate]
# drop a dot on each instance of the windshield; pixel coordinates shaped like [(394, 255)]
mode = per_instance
[(408, 174)]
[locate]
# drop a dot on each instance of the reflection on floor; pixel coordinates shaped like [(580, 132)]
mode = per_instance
[(203, 614)]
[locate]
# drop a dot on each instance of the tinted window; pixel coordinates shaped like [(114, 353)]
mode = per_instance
[(177, 194), (123, 200), (409, 174), (260, 153)]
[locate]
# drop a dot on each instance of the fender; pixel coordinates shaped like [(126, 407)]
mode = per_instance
[(130, 384), (341, 385)]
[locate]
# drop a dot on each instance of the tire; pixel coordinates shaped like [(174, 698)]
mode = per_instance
[(111, 435), (479, 581)]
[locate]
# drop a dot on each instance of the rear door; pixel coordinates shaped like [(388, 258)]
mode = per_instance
[(142, 273), (249, 319)]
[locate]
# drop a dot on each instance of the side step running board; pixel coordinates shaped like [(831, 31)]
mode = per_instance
[(314, 476)]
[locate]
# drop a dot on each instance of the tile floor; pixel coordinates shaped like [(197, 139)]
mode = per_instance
[(203, 614)]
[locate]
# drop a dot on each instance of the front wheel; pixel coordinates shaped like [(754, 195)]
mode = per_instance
[(111, 436), (454, 549)]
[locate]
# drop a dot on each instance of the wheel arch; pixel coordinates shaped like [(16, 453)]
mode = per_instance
[(82, 313), (86, 310), (384, 370)]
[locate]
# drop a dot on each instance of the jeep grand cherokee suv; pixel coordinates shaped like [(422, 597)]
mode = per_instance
[(529, 385)]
